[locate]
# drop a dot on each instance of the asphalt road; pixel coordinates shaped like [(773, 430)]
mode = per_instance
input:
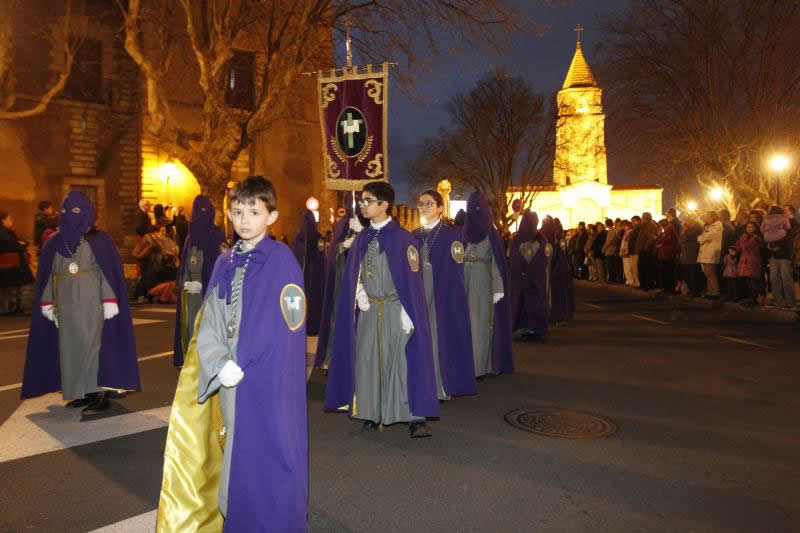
[(705, 402)]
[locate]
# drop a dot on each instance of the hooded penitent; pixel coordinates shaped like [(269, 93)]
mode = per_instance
[(309, 251), (529, 254), (562, 296), (478, 225), (118, 368), (209, 239)]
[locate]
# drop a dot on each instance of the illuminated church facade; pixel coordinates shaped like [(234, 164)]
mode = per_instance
[(580, 191)]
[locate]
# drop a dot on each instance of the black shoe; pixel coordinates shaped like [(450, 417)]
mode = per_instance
[(80, 402), (96, 406), (419, 430), (369, 425)]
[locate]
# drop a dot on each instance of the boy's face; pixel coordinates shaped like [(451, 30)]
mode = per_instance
[(428, 210), (371, 207), (251, 220)]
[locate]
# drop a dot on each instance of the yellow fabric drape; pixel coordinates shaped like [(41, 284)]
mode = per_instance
[(192, 457)]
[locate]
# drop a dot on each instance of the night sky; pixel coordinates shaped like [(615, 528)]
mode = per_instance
[(420, 110)]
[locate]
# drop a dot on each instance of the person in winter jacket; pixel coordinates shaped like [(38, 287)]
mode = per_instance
[(780, 254), (14, 269), (749, 270), (689, 250), (666, 248), (775, 226), (730, 272), (710, 249)]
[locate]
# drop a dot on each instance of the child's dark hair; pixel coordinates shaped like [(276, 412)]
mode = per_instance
[(383, 192), (254, 188), (433, 194), (44, 204)]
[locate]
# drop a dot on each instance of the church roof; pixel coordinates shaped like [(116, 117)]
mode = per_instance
[(579, 73)]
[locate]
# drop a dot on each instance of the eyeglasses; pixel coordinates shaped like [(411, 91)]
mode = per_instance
[(364, 202), (426, 204)]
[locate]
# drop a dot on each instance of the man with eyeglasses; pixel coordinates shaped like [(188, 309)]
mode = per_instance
[(381, 368)]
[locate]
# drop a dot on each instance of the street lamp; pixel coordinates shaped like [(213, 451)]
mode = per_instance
[(692, 205), (778, 163), (716, 194)]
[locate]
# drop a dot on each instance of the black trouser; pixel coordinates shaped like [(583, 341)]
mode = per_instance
[(666, 274), (647, 270), (144, 277), (611, 268), (693, 276), (731, 288), (753, 288)]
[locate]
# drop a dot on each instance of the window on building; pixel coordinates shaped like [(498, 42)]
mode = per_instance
[(240, 80), (85, 82)]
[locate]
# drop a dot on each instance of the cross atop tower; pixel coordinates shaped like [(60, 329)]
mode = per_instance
[(578, 29)]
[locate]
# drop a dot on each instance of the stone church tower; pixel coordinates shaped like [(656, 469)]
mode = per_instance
[(580, 138)]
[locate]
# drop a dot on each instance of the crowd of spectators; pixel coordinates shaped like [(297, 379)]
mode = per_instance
[(753, 259)]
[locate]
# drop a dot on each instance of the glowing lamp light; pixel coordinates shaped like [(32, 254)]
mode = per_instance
[(312, 204), (779, 162), (716, 194), (692, 205), (168, 171)]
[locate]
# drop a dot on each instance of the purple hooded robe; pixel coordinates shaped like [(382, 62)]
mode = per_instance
[(454, 336), (529, 290), (118, 368), (562, 297), (477, 226), (421, 378), (308, 249), (268, 486), (340, 232), (208, 238)]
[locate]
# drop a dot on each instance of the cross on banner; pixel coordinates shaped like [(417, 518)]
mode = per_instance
[(349, 127)]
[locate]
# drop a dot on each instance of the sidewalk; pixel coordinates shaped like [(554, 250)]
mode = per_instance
[(758, 313)]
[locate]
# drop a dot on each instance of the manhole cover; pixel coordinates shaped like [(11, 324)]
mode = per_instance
[(561, 423)]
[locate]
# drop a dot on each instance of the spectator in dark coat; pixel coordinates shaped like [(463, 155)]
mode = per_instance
[(578, 254), (645, 249), (598, 245), (667, 246), (14, 269), (689, 250), (143, 222), (45, 219), (750, 245), (181, 225)]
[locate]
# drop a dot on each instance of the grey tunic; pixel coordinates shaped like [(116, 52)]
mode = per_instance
[(192, 271), (381, 367), (430, 298), (78, 300), (482, 280), (214, 349)]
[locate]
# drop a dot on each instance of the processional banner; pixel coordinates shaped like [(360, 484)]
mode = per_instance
[(353, 105)]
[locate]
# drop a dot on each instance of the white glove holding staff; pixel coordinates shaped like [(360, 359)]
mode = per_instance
[(49, 312), (362, 300), (193, 287), (355, 224), (405, 321), (230, 375)]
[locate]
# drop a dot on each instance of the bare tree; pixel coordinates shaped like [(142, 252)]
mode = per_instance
[(706, 89), (20, 24), (502, 136), (290, 38)]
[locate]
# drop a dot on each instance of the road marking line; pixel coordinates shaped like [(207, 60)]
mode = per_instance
[(651, 320), (12, 337), (5, 336), (9, 332), (593, 305), (156, 310), (742, 341), (145, 358)]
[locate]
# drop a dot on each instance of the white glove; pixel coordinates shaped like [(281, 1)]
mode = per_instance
[(496, 297), (405, 321), (192, 287), (110, 310), (348, 242), (362, 300), (230, 375), (355, 224), (49, 312)]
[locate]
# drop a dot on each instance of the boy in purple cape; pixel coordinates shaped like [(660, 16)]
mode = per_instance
[(81, 337), (443, 274), (344, 232), (203, 245), (308, 249), (530, 294), (248, 358), (382, 365), (486, 281)]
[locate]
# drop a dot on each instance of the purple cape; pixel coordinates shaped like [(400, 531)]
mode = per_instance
[(118, 365), (394, 241), (477, 226), (529, 305), (208, 238), (268, 487), (456, 364), (312, 262), (340, 229)]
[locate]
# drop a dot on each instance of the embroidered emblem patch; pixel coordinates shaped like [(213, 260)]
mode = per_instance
[(548, 249), (413, 258), (293, 306), (527, 251), (76, 210), (457, 251)]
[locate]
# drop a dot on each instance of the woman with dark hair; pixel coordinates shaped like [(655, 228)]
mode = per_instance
[(442, 253), (14, 269)]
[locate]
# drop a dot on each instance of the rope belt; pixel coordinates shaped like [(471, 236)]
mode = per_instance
[(391, 298), (79, 273), (486, 260)]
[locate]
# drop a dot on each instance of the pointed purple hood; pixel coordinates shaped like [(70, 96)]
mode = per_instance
[(478, 221), (77, 216)]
